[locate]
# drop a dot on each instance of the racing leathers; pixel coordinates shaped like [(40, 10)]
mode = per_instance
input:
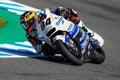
[(33, 39), (28, 23)]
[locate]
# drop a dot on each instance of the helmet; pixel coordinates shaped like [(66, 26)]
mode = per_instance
[(28, 19)]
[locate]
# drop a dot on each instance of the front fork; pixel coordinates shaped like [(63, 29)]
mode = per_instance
[(94, 43)]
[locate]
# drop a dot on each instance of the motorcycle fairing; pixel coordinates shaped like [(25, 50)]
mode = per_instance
[(73, 33)]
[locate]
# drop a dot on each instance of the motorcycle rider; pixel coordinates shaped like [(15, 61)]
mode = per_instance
[(28, 22), (30, 18)]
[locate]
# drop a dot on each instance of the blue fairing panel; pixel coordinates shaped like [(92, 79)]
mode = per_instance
[(72, 33)]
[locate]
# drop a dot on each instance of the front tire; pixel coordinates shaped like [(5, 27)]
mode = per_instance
[(99, 56), (68, 54)]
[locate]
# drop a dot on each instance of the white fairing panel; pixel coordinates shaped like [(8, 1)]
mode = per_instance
[(96, 36)]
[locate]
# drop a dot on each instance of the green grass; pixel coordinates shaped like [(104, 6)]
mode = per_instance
[(12, 30)]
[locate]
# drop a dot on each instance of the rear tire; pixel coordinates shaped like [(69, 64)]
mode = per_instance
[(69, 55), (48, 50)]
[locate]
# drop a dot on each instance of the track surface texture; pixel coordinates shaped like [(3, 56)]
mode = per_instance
[(103, 17)]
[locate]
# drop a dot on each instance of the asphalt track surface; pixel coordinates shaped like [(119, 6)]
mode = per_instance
[(102, 16)]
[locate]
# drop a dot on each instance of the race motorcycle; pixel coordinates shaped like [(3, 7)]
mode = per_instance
[(61, 36)]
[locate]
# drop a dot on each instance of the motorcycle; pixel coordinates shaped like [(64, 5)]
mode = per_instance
[(61, 36)]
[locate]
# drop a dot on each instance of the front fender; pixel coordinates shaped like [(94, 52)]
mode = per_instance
[(59, 37)]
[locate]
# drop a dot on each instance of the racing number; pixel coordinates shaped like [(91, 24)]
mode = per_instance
[(45, 23), (48, 21), (42, 25)]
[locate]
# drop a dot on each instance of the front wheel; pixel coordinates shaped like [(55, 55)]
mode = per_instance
[(99, 55), (73, 55)]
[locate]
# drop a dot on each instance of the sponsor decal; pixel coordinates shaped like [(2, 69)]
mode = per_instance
[(71, 26), (84, 42), (2, 22), (59, 21)]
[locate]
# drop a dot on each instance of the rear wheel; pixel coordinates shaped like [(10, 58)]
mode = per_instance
[(71, 52), (48, 50)]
